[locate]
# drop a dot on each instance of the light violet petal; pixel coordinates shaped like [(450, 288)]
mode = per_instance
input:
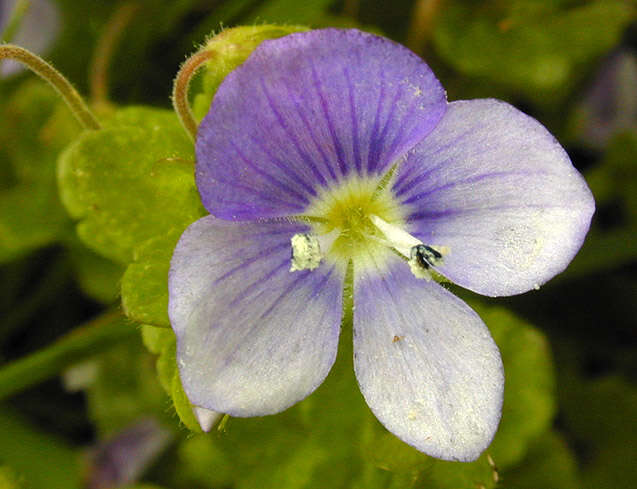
[(253, 338), (305, 110), (494, 187), (426, 364)]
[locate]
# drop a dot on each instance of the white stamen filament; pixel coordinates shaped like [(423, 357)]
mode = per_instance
[(397, 238), (405, 244)]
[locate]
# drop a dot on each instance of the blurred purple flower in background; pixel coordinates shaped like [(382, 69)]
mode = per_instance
[(36, 31), (124, 458), (610, 104), (336, 147)]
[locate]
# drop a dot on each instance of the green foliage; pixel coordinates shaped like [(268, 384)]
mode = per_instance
[(124, 389), (614, 185), (8, 478), (529, 392), (129, 182), (36, 126), (535, 48), (41, 460), (162, 342), (309, 12), (98, 277), (145, 283), (549, 463), (605, 428)]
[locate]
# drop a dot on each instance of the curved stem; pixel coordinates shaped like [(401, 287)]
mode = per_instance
[(45, 71), (108, 41), (86, 341), (180, 90)]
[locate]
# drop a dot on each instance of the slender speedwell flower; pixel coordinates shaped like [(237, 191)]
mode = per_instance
[(336, 148)]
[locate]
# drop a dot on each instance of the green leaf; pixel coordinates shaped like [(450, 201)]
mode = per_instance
[(9, 479), (145, 283), (130, 182), (31, 217), (38, 126), (183, 406), (459, 475), (42, 460), (599, 415), (539, 51), (548, 464), (162, 341), (125, 389), (529, 389), (614, 185), (98, 277)]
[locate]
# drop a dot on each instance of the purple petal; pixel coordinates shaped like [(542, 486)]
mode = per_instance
[(253, 338), (305, 110), (492, 185), (426, 364)]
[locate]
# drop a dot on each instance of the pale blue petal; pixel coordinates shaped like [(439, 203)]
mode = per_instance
[(253, 338), (493, 186), (426, 364)]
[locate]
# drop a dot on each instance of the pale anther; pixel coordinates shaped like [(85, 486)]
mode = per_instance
[(306, 252)]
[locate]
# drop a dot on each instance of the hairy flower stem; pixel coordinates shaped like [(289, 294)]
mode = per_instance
[(48, 73), (107, 43), (84, 342), (180, 90)]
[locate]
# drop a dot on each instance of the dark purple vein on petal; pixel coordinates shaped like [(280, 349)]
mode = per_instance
[(383, 134), (304, 157), (374, 142), (407, 186), (267, 197), (310, 131), (283, 166), (470, 180), (328, 120), (245, 262), (261, 281), (270, 178), (352, 109), (434, 215), (301, 276)]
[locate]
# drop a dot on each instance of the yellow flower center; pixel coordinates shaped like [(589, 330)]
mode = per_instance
[(345, 213)]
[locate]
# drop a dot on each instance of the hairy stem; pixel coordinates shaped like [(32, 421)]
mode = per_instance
[(180, 90), (106, 45), (48, 73), (84, 342)]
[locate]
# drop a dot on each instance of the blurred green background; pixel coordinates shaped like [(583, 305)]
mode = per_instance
[(106, 410)]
